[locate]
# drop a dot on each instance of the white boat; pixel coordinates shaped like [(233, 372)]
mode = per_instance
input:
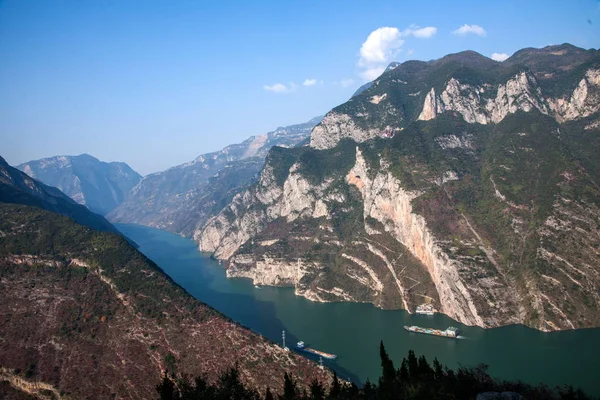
[(425, 309)]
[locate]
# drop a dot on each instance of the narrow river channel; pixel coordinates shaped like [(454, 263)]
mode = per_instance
[(353, 331)]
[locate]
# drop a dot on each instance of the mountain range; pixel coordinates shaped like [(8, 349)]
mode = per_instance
[(98, 185), (17, 187), (465, 182), (183, 197), (85, 315)]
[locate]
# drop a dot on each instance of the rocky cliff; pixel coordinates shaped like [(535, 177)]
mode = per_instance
[(183, 197), (560, 81), (84, 315), (463, 181), (98, 185)]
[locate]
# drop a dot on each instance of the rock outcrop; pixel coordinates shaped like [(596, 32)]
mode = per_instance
[(483, 93), (468, 189)]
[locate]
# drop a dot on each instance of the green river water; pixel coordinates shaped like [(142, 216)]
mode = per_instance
[(353, 331)]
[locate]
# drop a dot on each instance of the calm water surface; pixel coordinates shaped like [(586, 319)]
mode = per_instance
[(353, 331)]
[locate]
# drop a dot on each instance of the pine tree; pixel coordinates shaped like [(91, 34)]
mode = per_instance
[(413, 365), (289, 388), (336, 388), (369, 390), (166, 389), (387, 365), (268, 394), (403, 372), (388, 381), (317, 392), (438, 372)]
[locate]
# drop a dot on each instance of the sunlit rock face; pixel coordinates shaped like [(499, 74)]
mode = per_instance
[(463, 182)]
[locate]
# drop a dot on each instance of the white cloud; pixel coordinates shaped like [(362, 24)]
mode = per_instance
[(500, 56), (421, 33), (383, 45), (280, 87), (467, 29), (309, 82)]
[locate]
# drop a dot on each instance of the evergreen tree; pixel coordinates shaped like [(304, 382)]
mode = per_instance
[(166, 389), (403, 372), (289, 388), (414, 380), (336, 388), (369, 390), (268, 394), (413, 365), (317, 392), (425, 371), (388, 383), (438, 372), (387, 365)]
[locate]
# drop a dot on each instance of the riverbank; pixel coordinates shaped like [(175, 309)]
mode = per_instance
[(353, 330)]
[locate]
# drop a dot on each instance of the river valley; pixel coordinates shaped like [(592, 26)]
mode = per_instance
[(353, 331)]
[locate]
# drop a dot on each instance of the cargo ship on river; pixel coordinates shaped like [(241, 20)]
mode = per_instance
[(450, 332), (300, 346)]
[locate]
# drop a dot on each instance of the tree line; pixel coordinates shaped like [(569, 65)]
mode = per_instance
[(415, 379)]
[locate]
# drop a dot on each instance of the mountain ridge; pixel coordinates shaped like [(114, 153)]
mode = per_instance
[(168, 199), (466, 177), (99, 185), (88, 316), (18, 187)]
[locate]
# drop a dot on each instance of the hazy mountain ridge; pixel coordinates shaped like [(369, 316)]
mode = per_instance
[(88, 316), (485, 199), (17, 187), (183, 197), (96, 184)]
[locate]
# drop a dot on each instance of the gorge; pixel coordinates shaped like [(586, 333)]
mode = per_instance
[(482, 199)]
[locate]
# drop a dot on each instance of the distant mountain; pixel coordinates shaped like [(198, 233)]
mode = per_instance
[(183, 197), (86, 316), (19, 188), (465, 182), (99, 185)]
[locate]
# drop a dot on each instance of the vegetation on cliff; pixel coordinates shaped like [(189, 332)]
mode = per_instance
[(86, 313)]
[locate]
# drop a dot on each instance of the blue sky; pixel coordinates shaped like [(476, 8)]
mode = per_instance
[(156, 83)]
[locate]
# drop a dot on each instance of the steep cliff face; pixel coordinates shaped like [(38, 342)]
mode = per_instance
[(386, 201), (183, 197), (296, 230), (468, 188), (519, 93), (98, 185)]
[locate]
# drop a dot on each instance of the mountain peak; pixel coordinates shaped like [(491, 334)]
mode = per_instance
[(96, 184), (470, 57)]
